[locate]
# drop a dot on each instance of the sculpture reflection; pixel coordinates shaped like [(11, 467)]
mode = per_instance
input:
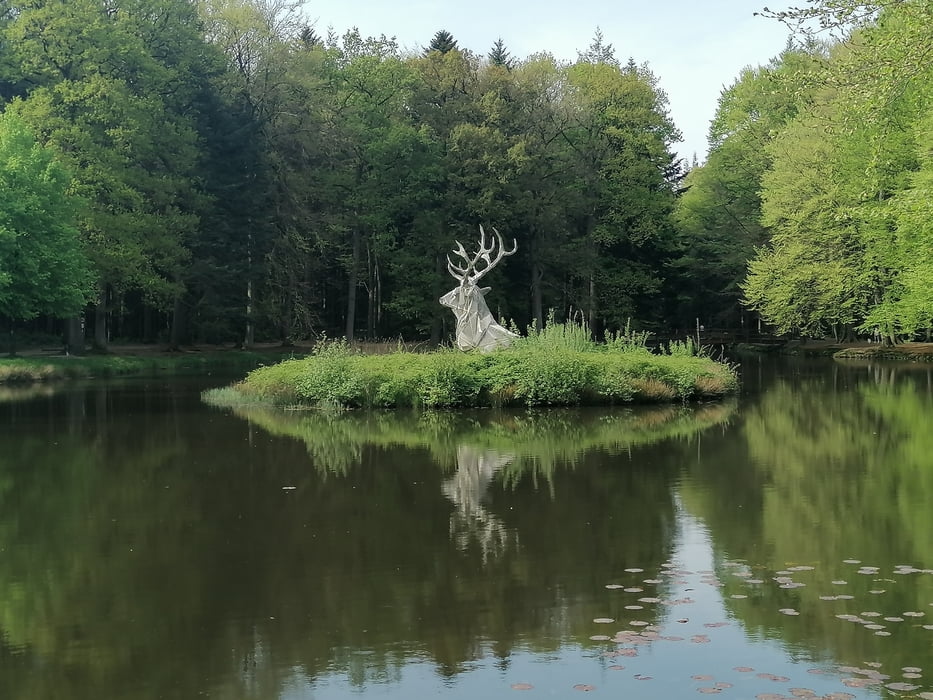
[(471, 522)]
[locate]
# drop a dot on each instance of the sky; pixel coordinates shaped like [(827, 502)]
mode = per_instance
[(695, 48)]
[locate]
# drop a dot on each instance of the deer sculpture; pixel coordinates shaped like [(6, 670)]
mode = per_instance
[(476, 327)]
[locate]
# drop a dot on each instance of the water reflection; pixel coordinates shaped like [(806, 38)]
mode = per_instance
[(836, 471), (471, 522), (153, 547)]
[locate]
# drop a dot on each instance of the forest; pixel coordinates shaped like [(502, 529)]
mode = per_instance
[(220, 171)]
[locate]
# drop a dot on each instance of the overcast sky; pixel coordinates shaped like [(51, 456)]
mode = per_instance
[(695, 47)]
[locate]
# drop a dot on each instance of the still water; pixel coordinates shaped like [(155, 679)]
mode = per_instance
[(778, 545)]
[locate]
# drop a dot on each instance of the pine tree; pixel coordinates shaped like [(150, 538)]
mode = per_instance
[(443, 42), (500, 56), (598, 51)]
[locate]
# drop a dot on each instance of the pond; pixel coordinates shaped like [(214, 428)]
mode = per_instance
[(777, 545)]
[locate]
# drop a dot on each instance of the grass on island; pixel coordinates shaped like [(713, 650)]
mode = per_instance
[(558, 366)]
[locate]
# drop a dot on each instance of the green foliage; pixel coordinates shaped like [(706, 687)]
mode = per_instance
[(843, 255), (43, 268)]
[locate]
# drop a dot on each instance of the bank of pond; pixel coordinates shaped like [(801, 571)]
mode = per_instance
[(33, 369)]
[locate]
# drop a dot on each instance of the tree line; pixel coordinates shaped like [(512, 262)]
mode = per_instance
[(219, 171)]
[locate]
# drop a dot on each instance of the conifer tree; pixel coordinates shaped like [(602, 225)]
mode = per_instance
[(443, 42)]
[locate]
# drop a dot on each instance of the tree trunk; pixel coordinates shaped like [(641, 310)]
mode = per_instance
[(74, 335), (249, 336), (12, 339), (100, 322), (537, 296), (437, 324), (352, 282), (178, 323)]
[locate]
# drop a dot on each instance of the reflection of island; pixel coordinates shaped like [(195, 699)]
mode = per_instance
[(539, 441), (471, 521)]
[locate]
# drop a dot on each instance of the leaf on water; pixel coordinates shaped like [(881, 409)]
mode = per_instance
[(882, 633), (913, 676), (640, 677), (522, 686), (912, 669), (600, 637), (715, 624), (614, 586), (871, 613), (769, 696), (738, 596), (844, 597), (913, 613), (634, 607), (894, 619), (743, 669), (858, 682), (634, 589), (653, 580), (649, 600), (616, 667), (817, 671), (702, 677), (603, 620), (873, 664), (902, 686), (874, 627), (925, 696), (753, 580), (772, 677), (700, 639), (838, 696), (638, 623), (851, 561), (723, 685), (585, 687), (709, 690), (635, 571), (839, 583), (927, 627), (877, 591), (788, 611), (828, 597), (802, 693)]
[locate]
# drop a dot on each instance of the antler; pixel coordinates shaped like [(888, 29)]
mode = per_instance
[(484, 253)]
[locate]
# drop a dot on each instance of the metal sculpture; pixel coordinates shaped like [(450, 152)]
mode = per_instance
[(476, 327)]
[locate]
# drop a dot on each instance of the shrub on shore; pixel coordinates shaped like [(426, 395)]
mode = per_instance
[(557, 366)]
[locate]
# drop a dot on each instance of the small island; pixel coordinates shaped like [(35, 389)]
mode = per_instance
[(558, 366)]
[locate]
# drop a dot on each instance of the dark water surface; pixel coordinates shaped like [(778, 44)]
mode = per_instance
[(778, 545)]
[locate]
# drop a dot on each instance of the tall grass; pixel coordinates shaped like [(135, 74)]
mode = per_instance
[(558, 365)]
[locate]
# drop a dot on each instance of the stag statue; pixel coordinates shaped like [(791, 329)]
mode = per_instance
[(476, 327)]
